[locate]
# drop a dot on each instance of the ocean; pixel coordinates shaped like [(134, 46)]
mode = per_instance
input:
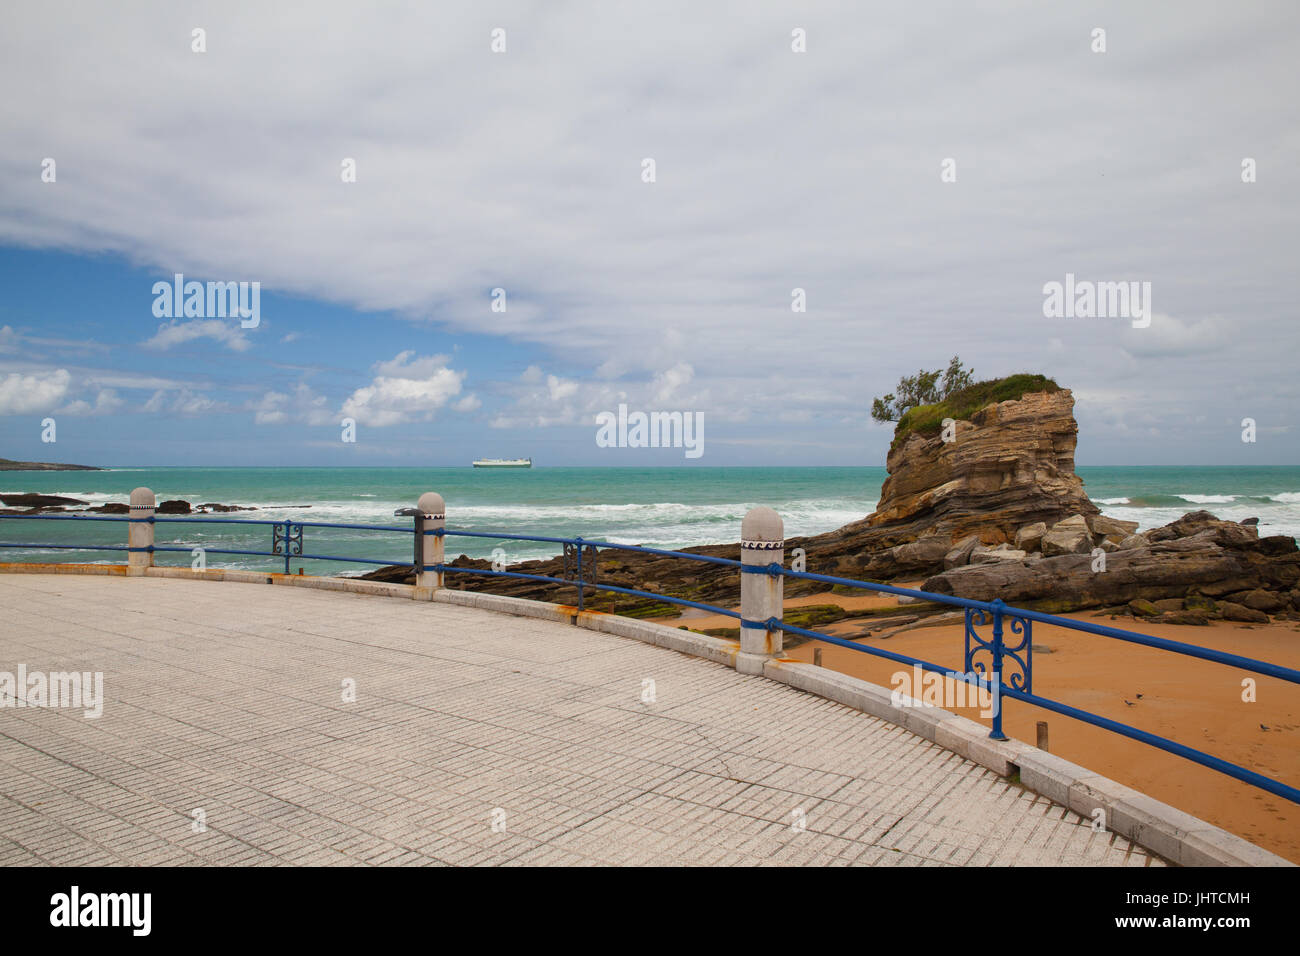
[(658, 507)]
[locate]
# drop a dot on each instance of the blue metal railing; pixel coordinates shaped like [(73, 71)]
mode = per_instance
[(286, 537), (977, 614), (580, 571)]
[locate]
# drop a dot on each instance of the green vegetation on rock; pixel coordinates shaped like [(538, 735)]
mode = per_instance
[(962, 404)]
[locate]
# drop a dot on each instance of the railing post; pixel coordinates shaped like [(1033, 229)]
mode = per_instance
[(762, 543), (997, 733), (432, 518), (578, 542), (139, 535)]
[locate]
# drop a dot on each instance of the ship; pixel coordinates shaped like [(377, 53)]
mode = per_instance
[(503, 463)]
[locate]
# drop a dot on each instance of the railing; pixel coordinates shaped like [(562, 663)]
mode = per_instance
[(286, 537), (992, 663)]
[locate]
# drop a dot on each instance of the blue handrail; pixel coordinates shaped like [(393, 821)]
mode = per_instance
[(287, 533)]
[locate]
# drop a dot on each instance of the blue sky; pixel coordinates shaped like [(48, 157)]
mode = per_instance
[(775, 170)]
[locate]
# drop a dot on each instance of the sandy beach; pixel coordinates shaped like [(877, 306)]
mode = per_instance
[(1194, 702)]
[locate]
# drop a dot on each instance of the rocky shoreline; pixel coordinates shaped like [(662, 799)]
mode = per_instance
[(1191, 571), (31, 503), (992, 510)]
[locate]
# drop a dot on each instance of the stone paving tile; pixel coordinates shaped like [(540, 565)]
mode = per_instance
[(228, 698)]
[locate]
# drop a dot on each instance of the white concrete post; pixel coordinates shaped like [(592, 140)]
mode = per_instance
[(139, 534), (434, 510), (762, 542)]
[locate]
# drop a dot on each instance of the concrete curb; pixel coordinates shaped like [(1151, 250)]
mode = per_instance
[(1175, 835)]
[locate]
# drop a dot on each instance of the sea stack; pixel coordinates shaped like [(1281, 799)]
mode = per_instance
[(987, 480), (1010, 465)]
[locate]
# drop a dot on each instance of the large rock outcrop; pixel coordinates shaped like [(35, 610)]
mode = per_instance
[(1011, 465), (1008, 468), (1205, 566)]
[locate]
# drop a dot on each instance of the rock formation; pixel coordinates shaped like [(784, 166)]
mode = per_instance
[(1006, 471), (1188, 572)]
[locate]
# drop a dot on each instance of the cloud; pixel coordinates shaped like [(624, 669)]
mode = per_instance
[(36, 392), (303, 406), (1168, 337), (542, 400), (185, 403), (175, 332), (668, 382), (106, 402), (762, 187), (406, 388), (559, 389)]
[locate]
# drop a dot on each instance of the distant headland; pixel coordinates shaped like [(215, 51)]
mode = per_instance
[(8, 464)]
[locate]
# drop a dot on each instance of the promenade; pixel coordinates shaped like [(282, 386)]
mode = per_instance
[(475, 738)]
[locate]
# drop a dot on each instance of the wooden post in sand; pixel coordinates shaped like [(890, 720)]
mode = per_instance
[(762, 543), (432, 516)]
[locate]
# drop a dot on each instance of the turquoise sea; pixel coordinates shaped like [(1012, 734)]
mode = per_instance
[(661, 507)]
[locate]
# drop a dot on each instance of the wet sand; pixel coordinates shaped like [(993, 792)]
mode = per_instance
[(1193, 702)]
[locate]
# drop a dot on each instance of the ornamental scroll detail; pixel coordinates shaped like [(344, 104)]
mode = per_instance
[(286, 539), (572, 551), (1015, 649)]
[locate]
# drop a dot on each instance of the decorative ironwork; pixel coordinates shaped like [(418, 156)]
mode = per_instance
[(579, 562), (286, 539), (579, 566), (998, 651)]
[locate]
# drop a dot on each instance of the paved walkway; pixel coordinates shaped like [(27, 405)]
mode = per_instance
[(228, 699)]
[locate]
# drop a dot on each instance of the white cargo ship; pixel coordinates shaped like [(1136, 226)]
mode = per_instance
[(503, 463)]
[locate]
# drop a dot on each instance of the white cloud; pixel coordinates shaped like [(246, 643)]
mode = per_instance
[(1167, 336), (559, 389), (302, 406), (176, 332), (406, 388), (184, 403), (669, 381), (106, 402), (36, 392), (543, 400)]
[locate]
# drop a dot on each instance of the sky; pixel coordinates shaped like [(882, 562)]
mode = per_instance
[(920, 171)]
